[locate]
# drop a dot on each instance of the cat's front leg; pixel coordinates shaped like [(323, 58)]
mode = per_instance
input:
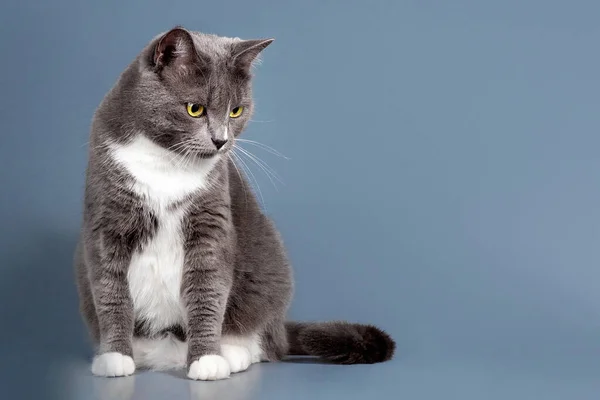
[(114, 307), (205, 288)]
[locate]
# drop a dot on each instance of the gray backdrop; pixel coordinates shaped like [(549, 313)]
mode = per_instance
[(443, 181)]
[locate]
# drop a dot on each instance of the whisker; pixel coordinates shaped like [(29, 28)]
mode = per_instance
[(247, 171), (263, 169), (178, 147), (229, 155), (183, 161), (189, 158), (263, 165), (250, 176), (258, 160), (176, 158), (264, 147), (183, 142), (262, 200)]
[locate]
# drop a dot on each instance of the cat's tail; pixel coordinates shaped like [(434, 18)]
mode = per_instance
[(340, 342)]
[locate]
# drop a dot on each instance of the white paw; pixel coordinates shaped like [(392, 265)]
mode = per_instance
[(209, 368), (238, 357), (113, 364)]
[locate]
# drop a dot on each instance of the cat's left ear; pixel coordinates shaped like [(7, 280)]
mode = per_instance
[(246, 52), (176, 50)]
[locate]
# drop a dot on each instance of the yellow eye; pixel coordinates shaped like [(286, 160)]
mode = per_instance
[(195, 110), (236, 112)]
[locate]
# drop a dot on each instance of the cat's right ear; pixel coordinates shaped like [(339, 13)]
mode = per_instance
[(176, 50)]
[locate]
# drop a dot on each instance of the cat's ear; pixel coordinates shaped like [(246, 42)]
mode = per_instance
[(246, 52), (176, 49)]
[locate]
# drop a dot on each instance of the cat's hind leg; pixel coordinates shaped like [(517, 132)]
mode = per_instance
[(241, 351), (274, 341)]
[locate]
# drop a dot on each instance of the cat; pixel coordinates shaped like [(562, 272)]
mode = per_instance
[(177, 266)]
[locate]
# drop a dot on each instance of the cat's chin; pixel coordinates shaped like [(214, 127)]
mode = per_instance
[(200, 156)]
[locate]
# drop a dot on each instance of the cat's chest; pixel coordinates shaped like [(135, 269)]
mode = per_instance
[(155, 274)]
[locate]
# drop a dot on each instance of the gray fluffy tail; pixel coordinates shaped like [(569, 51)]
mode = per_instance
[(340, 342)]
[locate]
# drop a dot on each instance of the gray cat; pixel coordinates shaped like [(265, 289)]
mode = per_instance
[(177, 267)]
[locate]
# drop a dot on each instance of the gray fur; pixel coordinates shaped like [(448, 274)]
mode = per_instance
[(236, 277)]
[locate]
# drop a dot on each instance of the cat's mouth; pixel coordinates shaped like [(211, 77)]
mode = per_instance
[(207, 154)]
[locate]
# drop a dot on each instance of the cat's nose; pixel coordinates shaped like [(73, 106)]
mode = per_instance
[(219, 142)]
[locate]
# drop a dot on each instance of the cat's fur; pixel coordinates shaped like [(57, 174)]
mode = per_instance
[(177, 266)]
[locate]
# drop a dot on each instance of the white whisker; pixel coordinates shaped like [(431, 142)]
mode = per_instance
[(178, 147), (264, 147), (229, 155), (262, 200), (263, 165)]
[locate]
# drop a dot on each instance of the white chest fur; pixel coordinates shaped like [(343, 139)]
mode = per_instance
[(155, 275), (155, 272)]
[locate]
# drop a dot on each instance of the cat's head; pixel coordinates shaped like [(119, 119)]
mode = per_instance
[(193, 93)]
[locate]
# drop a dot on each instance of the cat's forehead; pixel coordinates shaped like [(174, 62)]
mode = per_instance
[(216, 47)]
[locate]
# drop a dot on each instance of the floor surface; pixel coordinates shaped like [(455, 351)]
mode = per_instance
[(403, 378)]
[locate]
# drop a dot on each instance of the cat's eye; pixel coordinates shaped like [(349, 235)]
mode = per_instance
[(195, 110), (236, 112)]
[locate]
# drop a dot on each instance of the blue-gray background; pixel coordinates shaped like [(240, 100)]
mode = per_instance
[(443, 183)]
